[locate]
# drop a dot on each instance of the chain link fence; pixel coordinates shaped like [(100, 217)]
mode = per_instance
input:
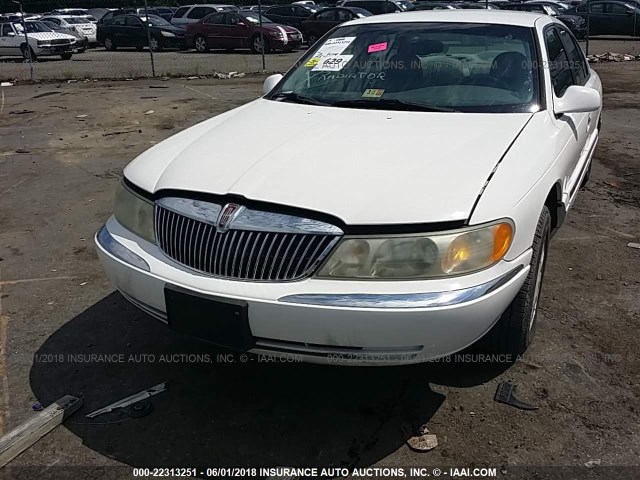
[(105, 51)]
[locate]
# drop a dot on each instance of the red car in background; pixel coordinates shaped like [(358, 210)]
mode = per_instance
[(232, 30)]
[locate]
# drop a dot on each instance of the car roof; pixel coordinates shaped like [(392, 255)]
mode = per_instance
[(500, 17)]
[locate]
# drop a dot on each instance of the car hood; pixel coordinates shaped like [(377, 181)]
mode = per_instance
[(363, 166), (279, 26), (50, 36), (167, 28)]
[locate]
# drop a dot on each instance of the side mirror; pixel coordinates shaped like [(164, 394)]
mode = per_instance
[(241, 24), (577, 99), (270, 82)]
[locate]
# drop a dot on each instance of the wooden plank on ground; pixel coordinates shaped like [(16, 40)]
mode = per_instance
[(22, 437)]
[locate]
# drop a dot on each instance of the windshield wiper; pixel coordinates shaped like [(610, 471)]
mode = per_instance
[(392, 104), (297, 98)]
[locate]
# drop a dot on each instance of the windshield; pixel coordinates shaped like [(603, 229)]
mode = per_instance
[(461, 66), (76, 20), (254, 18), (32, 27)]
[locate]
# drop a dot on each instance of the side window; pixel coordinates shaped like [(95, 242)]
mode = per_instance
[(180, 12), (233, 19), (576, 58), (559, 67), (199, 12), (6, 29), (596, 8), (55, 20), (615, 9), (132, 22), (344, 15), (119, 21), (327, 16), (216, 18), (275, 11), (300, 12)]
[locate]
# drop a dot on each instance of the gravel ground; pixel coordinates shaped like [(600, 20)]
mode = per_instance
[(57, 309), (99, 63)]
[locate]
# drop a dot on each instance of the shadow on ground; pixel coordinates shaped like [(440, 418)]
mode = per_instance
[(254, 413)]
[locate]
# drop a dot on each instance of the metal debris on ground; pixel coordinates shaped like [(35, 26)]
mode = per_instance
[(149, 112), (130, 400), (506, 393), (611, 57), (121, 133), (633, 245), (6, 84), (82, 116), (20, 112), (420, 441), (593, 463)]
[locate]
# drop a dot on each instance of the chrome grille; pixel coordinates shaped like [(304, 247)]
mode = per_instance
[(245, 253)]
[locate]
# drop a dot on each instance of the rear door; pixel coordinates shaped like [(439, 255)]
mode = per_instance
[(321, 23), (620, 17)]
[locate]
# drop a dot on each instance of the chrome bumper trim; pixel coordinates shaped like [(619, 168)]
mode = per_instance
[(402, 300), (115, 248)]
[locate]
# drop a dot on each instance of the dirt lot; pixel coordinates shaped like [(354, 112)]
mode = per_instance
[(60, 162)]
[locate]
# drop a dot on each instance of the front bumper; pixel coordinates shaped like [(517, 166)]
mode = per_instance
[(280, 44), (327, 321), (42, 50)]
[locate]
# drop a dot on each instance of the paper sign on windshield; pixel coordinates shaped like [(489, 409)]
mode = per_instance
[(332, 63)]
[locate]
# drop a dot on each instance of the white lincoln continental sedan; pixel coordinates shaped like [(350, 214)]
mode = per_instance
[(395, 205)]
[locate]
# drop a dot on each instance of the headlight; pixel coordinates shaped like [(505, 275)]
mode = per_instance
[(275, 33), (166, 34), (134, 213), (44, 43), (420, 256)]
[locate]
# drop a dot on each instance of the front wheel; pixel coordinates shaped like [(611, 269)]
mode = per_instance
[(66, 56), (155, 44), (312, 38), (259, 44), (25, 50), (516, 328)]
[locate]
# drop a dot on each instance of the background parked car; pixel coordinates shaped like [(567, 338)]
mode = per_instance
[(436, 6), (131, 31), (231, 30), (612, 18), (74, 12), (82, 42), (576, 24), (42, 40), (321, 22), (195, 13), (165, 12), (77, 24), (292, 15), (377, 7)]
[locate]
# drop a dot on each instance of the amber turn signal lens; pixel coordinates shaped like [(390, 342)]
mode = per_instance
[(502, 236)]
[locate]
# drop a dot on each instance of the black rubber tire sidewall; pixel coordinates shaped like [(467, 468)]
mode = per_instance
[(511, 335)]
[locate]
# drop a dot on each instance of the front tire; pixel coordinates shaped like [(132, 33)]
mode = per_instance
[(66, 56), (260, 43), (516, 327), (24, 49), (312, 38), (155, 44)]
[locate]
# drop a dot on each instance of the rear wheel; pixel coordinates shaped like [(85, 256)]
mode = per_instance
[(109, 44), (200, 43), (516, 328)]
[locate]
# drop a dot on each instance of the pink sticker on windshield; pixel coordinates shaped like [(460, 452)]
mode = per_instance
[(377, 47)]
